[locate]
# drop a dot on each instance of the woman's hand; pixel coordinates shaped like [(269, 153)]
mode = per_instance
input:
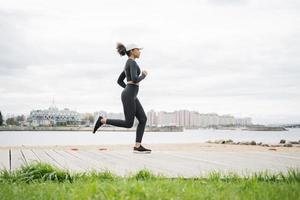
[(145, 72)]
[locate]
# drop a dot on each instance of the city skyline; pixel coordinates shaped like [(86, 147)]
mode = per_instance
[(61, 108), (193, 115), (237, 57), (53, 104), (187, 118)]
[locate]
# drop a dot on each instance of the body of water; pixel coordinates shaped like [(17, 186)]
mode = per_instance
[(40, 138)]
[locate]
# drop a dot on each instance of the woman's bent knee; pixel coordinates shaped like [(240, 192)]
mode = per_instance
[(129, 124)]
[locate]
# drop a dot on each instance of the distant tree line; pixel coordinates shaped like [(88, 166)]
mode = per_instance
[(12, 120), (88, 117)]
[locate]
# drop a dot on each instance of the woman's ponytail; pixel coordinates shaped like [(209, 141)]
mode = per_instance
[(121, 49)]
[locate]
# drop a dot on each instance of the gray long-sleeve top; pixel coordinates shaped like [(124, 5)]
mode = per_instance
[(131, 71)]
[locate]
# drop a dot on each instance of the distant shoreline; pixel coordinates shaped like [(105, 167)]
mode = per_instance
[(147, 129), (90, 129)]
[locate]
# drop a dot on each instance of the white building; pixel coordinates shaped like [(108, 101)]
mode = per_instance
[(151, 118), (166, 118), (53, 116), (183, 118), (194, 119), (243, 121), (226, 120)]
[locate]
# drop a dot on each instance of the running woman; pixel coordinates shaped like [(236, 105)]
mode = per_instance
[(131, 104)]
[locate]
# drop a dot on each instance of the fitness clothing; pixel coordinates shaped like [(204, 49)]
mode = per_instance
[(131, 104), (131, 72)]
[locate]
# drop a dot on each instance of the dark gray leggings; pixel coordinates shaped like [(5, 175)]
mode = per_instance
[(132, 107)]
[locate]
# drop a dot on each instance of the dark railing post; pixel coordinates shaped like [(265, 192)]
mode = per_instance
[(9, 155)]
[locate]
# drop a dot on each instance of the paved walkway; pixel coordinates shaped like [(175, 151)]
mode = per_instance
[(170, 163)]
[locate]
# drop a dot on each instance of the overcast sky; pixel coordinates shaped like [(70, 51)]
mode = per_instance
[(238, 57)]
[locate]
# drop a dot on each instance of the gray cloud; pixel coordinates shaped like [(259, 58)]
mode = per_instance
[(230, 57)]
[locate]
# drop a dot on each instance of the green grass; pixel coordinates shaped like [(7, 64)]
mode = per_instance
[(43, 181)]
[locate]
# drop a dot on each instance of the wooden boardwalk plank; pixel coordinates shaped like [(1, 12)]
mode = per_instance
[(109, 161), (65, 161), (292, 156), (168, 163), (83, 163), (98, 163), (102, 161), (4, 159), (131, 163), (45, 157), (17, 159), (238, 162), (225, 162), (266, 160), (30, 156)]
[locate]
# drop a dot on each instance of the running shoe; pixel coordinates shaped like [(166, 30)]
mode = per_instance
[(141, 149), (98, 124)]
